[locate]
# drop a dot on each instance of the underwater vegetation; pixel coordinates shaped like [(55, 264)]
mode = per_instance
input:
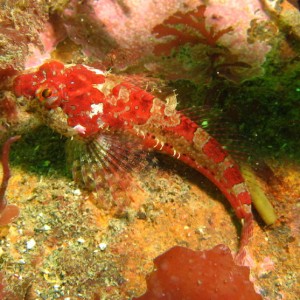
[(182, 273), (21, 23), (95, 85), (8, 212)]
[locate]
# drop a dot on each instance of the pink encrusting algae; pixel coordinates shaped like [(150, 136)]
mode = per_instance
[(99, 110), (199, 34)]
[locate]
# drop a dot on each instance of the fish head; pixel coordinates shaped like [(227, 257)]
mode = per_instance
[(54, 84), (43, 84)]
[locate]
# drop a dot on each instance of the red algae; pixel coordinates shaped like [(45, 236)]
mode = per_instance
[(8, 108), (10, 212), (194, 31), (181, 273)]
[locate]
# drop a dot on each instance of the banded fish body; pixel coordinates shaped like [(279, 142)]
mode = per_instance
[(93, 106)]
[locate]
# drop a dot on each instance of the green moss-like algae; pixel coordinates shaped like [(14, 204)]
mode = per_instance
[(265, 111), (40, 151)]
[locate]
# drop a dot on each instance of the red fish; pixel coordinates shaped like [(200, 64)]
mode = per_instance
[(93, 107)]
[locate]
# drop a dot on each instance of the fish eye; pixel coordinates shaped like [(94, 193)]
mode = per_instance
[(46, 93), (49, 96)]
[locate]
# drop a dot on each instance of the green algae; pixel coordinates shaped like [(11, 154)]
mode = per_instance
[(264, 111), (41, 151)]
